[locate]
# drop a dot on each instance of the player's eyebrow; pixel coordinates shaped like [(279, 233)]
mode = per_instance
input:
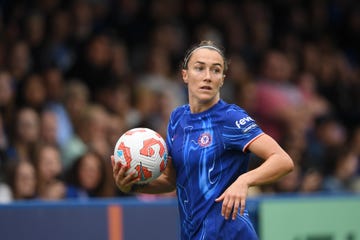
[(214, 64)]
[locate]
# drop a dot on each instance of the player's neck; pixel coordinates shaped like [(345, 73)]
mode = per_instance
[(201, 106)]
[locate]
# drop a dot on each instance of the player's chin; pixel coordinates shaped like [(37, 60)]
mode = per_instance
[(207, 98)]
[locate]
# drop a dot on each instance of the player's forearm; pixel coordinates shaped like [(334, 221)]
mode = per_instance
[(271, 170), (277, 162), (165, 183), (160, 185)]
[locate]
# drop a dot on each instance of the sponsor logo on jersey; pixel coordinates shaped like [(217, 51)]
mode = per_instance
[(204, 139), (243, 121), (248, 128)]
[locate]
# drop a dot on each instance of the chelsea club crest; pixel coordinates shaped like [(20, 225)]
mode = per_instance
[(204, 139)]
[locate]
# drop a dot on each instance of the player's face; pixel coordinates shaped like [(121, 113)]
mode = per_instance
[(204, 77)]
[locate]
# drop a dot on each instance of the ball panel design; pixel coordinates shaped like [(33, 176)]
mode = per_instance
[(142, 150)]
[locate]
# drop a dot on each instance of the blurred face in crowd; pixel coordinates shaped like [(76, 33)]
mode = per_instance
[(277, 67), (53, 83), (25, 181), (347, 166), (49, 127), (100, 51), (6, 91), (28, 125), (76, 99), (34, 91), (49, 163), (20, 59), (90, 171)]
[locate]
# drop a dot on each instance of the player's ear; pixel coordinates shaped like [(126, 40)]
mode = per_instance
[(222, 82), (184, 75)]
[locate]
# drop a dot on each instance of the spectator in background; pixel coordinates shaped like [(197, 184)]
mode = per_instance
[(7, 108), (153, 107), (5, 193), (50, 185), (280, 106), (289, 183), (7, 98), (315, 103), (48, 127), (49, 40), (336, 78), (59, 51), (94, 67), (328, 133), (76, 100), (354, 141), (341, 172), (311, 181), (35, 34), (158, 76), (20, 61), (239, 78), (87, 177), (94, 128), (159, 89), (32, 92), (54, 84), (116, 127), (120, 99), (2, 47), (83, 23), (24, 136), (120, 66), (21, 179), (3, 147)]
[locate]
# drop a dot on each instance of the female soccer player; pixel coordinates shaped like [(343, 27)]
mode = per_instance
[(209, 142)]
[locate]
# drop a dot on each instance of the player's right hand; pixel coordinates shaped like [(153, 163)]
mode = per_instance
[(122, 180)]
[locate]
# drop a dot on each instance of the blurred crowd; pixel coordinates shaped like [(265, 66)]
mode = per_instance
[(76, 74)]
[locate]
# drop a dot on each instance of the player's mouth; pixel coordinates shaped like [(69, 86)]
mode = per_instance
[(208, 88)]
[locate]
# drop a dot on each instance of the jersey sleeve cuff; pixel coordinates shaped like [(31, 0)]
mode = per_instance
[(252, 140)]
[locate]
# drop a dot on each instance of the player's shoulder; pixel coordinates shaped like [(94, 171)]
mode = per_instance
[(238, 121), (179, 111), (233, 111), (235, 116)]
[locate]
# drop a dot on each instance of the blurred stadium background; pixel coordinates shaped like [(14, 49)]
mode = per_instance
[(75, 74)]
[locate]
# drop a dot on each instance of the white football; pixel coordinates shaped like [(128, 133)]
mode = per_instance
[(142, 150)]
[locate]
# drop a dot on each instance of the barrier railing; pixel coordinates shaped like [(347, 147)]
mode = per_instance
[(285, 217)]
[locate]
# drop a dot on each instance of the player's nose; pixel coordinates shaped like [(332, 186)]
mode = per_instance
[(207, 76)]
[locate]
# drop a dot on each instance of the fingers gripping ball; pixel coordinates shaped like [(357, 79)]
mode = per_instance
[(142, 150)]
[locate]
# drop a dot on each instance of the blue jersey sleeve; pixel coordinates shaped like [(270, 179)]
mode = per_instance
[(239, 129)]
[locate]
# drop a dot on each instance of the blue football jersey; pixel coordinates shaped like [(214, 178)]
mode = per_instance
[(208, 151)]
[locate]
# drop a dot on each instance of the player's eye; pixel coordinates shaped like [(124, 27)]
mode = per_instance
[(216, 70), (199, 68)]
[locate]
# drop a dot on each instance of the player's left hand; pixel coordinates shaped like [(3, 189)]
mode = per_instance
[(233, 198), (122, 180)]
